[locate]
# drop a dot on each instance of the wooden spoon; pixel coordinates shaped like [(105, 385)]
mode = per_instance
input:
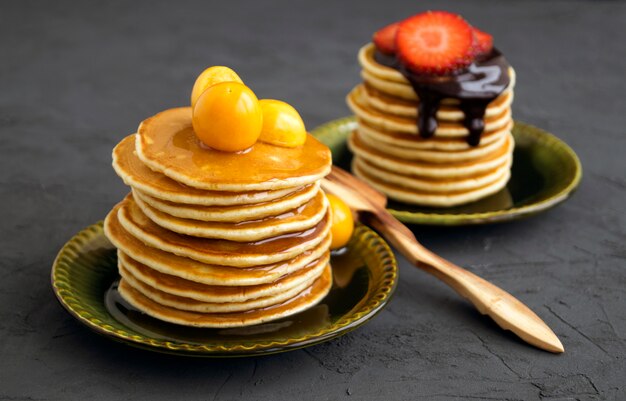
[(506, 310)]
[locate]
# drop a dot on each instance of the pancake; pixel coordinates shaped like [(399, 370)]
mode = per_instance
[(192, 305), (443, 169), (422, 169), (432, 156), (404, 108), (404, 91), (137, 175), (208, 274), (306, 299), (411, 141), (431, 185), (233, 214), (219, 239), (367, 61), (407, 125), (221, 294), (166, 143), (218, 251), (447, 199), (391, 81), (295, 220)]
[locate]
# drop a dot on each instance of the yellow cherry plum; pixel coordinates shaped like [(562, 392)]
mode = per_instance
[(282, 125), (342, 222), (211, 76), (227, 117)]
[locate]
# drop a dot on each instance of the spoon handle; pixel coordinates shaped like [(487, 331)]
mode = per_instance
[(507, 311)]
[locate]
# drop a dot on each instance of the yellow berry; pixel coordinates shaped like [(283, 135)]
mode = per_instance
[(227, 117), (282, 125), (211, 76), (342, 222)]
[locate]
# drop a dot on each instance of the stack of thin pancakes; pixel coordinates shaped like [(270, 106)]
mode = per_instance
[(440, 171), (217, 239)]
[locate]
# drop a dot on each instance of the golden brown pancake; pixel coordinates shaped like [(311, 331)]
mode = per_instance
[(434, 185), (295, 220), (204, 273), (432, 170), (392, 82), (192, 305), (217, 251), (441, 170), (434, 199), (137, 175), (222, 293), (166, 143), (407, 125), (431, 155), (219, 239), (306, 299), (235, 213), (411, 141), (406, 108)]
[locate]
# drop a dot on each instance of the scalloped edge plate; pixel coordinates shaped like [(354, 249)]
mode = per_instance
[(85, 268), (557, 163)]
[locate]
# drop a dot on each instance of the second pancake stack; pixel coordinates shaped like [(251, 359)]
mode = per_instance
[(440, 171), (216, 239)]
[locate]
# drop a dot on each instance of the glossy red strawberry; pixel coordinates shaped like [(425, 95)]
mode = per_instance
[(385, 39), (435, 42), (483, 42)]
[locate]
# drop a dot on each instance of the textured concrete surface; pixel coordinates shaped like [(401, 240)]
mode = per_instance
[(76, 77)]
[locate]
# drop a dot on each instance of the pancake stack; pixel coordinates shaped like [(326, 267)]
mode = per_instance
[(217, 239), (439, 171)]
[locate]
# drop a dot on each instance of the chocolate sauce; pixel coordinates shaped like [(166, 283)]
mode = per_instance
[(474, 87)]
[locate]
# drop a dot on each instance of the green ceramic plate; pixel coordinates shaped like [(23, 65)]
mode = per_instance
[(545, 172), (84, 277)]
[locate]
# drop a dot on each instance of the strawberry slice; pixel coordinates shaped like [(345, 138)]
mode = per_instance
[(435, 42), (483, 42), (385, 39)]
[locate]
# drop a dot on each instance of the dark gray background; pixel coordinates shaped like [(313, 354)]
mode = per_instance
[(77, 77)]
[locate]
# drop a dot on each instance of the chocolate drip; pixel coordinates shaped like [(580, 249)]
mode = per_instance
[(427, 113), (475, 87)]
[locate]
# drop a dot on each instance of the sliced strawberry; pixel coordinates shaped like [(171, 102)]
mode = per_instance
[(483, 42), (385, 39), (435, 42)]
